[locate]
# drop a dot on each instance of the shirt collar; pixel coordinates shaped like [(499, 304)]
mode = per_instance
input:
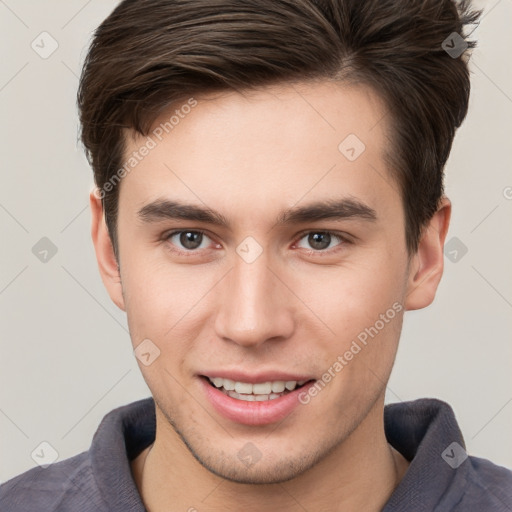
[(421, 430), (426, 433)]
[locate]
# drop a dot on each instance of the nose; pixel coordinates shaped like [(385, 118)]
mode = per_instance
[(255, 306)]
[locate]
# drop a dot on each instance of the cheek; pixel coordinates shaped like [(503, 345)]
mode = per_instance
[(352, 297), (151, 296), (167, 303)]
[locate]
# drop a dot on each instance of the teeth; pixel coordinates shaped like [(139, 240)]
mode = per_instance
[(243, 387), (253, 398), (228, 384), (291, 385), (217, 381), (255, 392), (278, 386), (265, 388)]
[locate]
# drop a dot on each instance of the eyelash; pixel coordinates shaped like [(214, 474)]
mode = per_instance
[(310, 252), (342, 239)]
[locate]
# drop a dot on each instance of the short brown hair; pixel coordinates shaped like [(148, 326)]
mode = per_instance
[(149, 54)]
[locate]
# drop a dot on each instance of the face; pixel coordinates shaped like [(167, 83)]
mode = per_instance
[(296, 274)]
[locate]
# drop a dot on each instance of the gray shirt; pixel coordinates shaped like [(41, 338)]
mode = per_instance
[(441, 476)]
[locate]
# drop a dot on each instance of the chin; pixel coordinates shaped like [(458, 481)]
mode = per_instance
[(257, 473)]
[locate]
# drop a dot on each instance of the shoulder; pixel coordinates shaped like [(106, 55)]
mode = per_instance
[(63, 486), (488, 487)]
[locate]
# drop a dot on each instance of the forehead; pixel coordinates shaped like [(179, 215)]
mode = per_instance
[(265, 149)]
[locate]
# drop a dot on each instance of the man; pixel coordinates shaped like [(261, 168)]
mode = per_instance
[(269, 203)]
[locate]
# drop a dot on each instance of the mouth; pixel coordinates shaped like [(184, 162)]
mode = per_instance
[(254, 399), (255, 392)]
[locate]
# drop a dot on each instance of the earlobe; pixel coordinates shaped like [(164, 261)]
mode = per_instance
[(426, 265), (107, 262)]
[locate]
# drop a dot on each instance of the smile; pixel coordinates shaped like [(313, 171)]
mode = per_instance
[(254, 399), (258, 392)]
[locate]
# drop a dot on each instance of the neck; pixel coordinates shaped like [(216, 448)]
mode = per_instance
[(166, 474)]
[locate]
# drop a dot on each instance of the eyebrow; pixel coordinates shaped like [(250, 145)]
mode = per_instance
[(345, 208)]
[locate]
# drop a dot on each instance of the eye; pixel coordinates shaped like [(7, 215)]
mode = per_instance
[(188, 240), (320, 241)]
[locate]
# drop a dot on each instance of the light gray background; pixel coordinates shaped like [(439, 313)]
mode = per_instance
[(66, 357)]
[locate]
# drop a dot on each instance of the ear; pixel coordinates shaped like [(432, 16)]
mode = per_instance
[(107, 262), (426, 265)]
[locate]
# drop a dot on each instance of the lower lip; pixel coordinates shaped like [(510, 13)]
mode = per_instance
[(253, 413)]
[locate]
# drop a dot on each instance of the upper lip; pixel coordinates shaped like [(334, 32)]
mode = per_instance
[(256, 378)]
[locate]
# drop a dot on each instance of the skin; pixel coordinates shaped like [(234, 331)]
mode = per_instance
[(295, 308)]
